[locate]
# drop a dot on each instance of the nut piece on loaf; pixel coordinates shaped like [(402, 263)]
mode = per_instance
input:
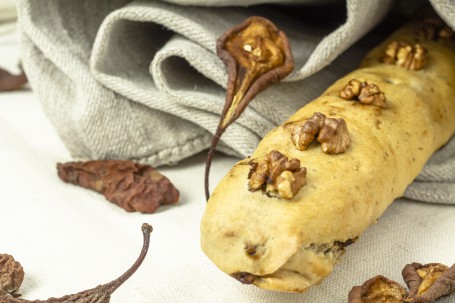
[(407, 85)]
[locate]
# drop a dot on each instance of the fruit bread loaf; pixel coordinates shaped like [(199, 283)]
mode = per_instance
[(282, 218)]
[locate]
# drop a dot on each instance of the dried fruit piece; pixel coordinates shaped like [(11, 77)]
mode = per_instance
[(363, 92), (101, 293), (378, 289), (332, 133), (133, 186), (428, 282), (257, 55), (243, 277), (276, 175), (11, 275), (9, 82), (412, 57)]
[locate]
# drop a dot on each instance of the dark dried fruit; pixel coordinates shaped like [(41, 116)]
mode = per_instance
[(257, 55), (101, 293), (378, 289), (9, 82), (133, 186), (243, 277), (429, 282), (426, 284), (11, 275)]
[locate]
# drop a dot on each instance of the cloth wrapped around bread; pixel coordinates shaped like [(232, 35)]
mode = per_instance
[(290, 244)]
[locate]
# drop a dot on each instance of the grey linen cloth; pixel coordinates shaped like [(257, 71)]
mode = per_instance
[(140, 79)]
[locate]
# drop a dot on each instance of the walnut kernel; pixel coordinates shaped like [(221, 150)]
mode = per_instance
[(276, 175), (363, 92), (403, 54), (371, 94), (351, 90), (334, 136), (332, 133), (303, 135), (288, 183), (436, 30)]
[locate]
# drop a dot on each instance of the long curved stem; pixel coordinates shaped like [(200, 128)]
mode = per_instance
[(208, 163), (146, 230)]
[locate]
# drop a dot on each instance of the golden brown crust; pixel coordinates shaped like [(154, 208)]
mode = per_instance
[(344, 193)]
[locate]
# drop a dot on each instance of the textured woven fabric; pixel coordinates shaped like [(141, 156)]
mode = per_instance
[(140, 79)]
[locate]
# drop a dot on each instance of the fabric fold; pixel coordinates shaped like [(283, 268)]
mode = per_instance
[(141, 80)]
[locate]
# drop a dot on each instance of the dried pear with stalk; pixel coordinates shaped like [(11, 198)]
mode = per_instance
[(257, 55), (101, 293)]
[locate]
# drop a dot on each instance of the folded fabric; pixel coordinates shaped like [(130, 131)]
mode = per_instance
[(141, 80)]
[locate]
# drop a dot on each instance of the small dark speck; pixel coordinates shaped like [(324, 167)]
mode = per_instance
[(229, 234), (250, 249), (244, 277)]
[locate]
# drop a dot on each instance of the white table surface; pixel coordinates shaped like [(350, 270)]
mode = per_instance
[(69, 239)]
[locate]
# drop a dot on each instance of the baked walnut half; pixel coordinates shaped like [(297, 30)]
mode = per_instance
[(363, 92), (332, 133), (435, 29), (277, 175), (412, 57)]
